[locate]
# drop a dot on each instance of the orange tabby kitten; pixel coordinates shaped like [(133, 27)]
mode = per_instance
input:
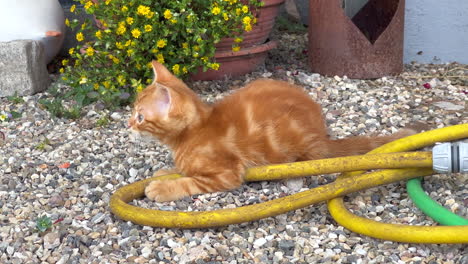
[(265, 122)]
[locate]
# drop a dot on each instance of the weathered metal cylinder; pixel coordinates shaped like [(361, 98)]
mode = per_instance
[(370, 45)]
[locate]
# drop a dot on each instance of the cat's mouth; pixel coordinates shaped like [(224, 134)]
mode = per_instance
[(141, 136)]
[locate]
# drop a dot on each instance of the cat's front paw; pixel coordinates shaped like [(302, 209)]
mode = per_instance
[(159, 191)]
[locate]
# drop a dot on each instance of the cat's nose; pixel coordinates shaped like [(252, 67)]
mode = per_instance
[(129, 123)]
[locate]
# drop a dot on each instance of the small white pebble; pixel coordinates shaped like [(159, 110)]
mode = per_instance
[(259, 242)]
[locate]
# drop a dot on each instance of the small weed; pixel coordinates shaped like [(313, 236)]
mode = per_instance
[(15, 99), (43, 223), (7, 116), (103, 121), (43, 144), (285, 24), (56, 108)]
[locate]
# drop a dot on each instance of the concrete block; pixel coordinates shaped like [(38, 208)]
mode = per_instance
[(22, 68)]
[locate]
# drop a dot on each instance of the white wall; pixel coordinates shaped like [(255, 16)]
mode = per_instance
[(438, 28)]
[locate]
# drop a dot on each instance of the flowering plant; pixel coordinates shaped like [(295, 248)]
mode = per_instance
[(112, 61)]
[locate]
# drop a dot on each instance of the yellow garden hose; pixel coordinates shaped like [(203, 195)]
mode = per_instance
[(397, 232), (417, 164), (119, 200)]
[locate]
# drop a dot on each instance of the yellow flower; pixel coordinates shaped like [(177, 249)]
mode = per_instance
[(215, 66), (88, 5), (106, 84), (138, 66), (129, 20), (64, 62), (149, 65), (246, 20), (238, 11), (154, 50), (225, 16), (127, 43), (176, 69), (108, 2), (124, 9), (196, 48), (185, 45), (83, 80), (96, 86), (90, 51), (115, 60), (216, 10), (62, 70), (121, 80), (184, 69), (167, 14), (140, 88), (72, 8), (238, 40), (121, 29), (3, 117), (130, 52), (98, 34), (67, 22), (173, 21), (148, 81), (161, 43), (150, 15), (248, 27), (160, 58), (71, 51), (83, 26), (136, 33), (195, 55), (79, 36), (204, 59), (245, 9), (119, 45), (148, 28), (231, 2), (143, 10), (236, 48)]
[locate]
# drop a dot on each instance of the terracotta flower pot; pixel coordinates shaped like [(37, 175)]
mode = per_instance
[(254, 48), (238, 63), (260, 31)]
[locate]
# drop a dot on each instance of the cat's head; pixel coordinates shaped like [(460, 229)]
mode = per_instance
[(165, 108)]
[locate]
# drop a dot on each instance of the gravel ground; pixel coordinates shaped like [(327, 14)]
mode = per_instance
[(35, 180)]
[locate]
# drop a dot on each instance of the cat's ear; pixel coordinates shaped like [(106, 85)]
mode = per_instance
[(161, 73), (163, 101)]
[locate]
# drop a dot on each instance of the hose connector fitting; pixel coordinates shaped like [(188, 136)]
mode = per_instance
[(450, 157)]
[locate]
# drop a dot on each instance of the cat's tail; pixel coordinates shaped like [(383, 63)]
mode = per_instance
[(362, 144)]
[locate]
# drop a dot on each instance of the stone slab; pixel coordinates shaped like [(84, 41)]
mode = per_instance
[(22, 68)]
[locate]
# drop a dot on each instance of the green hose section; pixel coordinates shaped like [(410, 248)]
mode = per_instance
[(431, 208)]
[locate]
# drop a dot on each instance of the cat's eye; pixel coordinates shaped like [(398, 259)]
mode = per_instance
[(140, 118)]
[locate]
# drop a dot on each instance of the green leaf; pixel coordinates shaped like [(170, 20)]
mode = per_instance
[(43, 223), (15, 114)]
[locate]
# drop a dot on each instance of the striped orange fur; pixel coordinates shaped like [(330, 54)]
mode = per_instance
[(265, 122)]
